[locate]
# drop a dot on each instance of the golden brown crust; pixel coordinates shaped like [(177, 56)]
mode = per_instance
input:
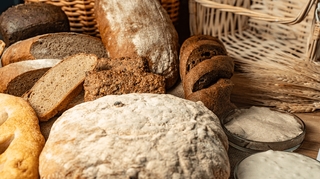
[(18, 51), (20, 139)]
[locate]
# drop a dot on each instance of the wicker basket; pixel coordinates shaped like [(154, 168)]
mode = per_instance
[(275, 47), (81, 13)]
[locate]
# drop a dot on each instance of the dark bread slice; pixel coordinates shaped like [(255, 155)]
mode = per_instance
[(52, 93), (197, 52), (207, 73), (17, 78), (54, 46), (216, 97), (196, 38), (27, 20), (122, 76)]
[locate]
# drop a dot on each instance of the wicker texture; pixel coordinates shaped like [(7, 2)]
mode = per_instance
[(274, 44), (81, 13)]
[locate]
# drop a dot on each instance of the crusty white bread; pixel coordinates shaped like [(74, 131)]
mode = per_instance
[(17, 78), (59, 85)]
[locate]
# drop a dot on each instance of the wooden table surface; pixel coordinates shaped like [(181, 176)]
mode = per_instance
[(311, 144)]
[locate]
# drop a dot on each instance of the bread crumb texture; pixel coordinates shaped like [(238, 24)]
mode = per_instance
[(136, 136)]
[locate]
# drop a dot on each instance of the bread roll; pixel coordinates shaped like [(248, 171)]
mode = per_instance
[(140, 28), (20, 139), (27, 20)]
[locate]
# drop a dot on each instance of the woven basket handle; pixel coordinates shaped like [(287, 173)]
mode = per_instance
[(256, 15)]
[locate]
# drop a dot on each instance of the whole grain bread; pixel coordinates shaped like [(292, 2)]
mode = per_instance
[(136, 136), (17, 78), (54, 46), (140, 28), (27, 20), (115, 76), (51, 94)]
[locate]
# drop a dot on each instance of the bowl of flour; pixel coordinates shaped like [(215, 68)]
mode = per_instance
[(257, 129)]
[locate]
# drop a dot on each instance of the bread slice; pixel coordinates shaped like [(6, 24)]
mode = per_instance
[(19, 77), (54, 46), (59, 85), (197, 52), (122, 76)]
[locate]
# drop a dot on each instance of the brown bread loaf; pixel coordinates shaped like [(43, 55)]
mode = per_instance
[(122, 76), (140, 28), (17, 78), (27, 20), (52, 93), (205, 70), (53, 46)]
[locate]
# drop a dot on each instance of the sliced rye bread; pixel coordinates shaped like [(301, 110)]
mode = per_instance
[(52, 93), (207, 73), (122, 76), (198, 51), (17, 78), (54, 46), (216, 97)]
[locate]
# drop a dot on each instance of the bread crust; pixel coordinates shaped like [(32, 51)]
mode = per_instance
[(26, 49), (140, 28), (20, 139)]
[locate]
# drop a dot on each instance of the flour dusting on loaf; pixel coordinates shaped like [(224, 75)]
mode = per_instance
[(143, 28), (136, 136)]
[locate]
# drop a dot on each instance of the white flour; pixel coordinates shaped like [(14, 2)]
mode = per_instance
[(278, 165), (264, 125)]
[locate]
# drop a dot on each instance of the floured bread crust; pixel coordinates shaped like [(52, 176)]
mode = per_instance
[(20, 139), (136, 136)]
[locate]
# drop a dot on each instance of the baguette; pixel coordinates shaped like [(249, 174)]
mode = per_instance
[(140, 28), (52, 93)]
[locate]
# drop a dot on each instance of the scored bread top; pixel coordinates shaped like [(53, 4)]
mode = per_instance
[(59, 85)]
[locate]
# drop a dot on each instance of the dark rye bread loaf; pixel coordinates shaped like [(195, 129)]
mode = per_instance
[(216, 97), (122, 76), (208, 72), (23, 21), (198, 51), (54, 46)]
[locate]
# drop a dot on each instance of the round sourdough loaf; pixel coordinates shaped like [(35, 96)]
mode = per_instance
[(20, 139), (136, 136)]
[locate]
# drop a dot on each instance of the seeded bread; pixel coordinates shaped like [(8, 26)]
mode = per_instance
[(53, 46), (136, 136), (140, 28), (27, 20), (17, 78), (122, 76), (59, 85)]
